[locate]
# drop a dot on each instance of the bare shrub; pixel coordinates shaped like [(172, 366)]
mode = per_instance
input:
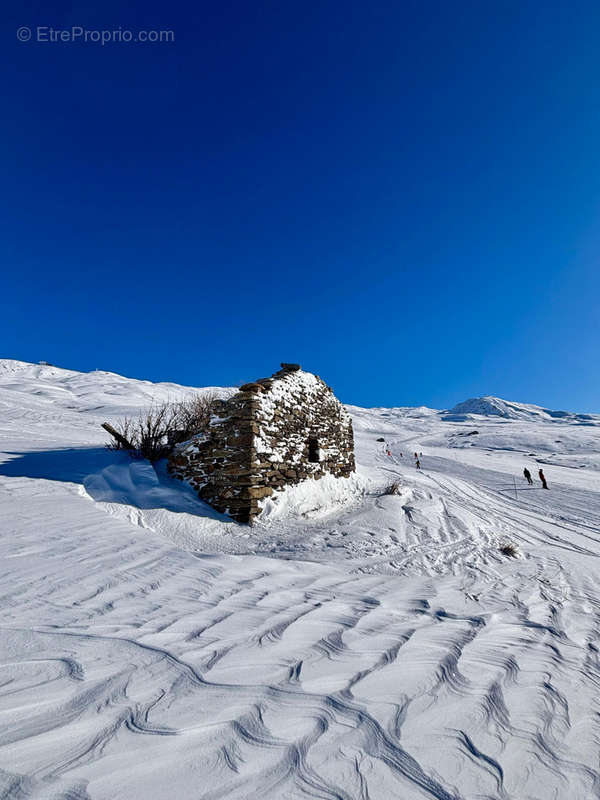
[(155, 431), (193, 416), (124, 428), (509, 549), (151, 431), (391, 488)]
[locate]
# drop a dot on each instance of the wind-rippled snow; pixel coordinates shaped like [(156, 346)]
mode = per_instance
[(352, 644)]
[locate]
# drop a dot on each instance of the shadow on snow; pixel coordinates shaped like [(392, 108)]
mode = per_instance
[(110, 477)]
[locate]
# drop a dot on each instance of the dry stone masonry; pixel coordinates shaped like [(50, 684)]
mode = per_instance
[(274, 432)]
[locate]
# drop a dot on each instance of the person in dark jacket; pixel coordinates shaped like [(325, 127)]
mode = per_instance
[(543, 479), (418, 464), (528, 476)]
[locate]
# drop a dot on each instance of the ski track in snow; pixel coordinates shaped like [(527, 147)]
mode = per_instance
[(150, 648)]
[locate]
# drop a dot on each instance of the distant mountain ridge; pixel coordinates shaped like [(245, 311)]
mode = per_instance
[(490, 406), (96, 388)]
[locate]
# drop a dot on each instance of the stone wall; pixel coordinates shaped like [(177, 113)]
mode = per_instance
[(274, 432)]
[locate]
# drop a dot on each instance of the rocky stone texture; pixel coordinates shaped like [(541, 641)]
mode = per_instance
[(274, 432)]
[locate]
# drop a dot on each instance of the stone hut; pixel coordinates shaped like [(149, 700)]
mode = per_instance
[(272, 433)]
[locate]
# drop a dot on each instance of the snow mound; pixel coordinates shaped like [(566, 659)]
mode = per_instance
[(314, 498)]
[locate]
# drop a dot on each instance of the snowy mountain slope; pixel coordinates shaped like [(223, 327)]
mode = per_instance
[(384, 648), (101, 392), (496, 407), (42, 398)]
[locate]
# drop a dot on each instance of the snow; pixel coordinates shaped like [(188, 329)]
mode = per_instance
[(314, 498), (352, 644), (496, 407)]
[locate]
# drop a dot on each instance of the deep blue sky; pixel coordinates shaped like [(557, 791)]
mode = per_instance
[(403, 197)]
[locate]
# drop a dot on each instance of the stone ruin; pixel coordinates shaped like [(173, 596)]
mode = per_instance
[(270, 434)]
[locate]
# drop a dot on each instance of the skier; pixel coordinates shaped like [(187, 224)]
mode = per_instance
[(528, 476), (416, 455), (543, 479), (418, 464), (389, 452)]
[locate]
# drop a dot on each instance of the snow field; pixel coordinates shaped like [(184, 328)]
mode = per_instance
[(351, 645)]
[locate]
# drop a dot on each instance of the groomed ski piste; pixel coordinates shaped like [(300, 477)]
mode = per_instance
[(352, 645)]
